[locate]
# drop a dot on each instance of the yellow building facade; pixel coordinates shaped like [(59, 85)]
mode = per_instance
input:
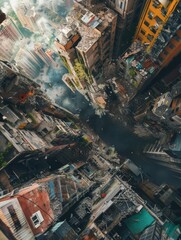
[(154, 16)]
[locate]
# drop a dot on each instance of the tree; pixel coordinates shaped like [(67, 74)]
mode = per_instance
[(79, 69)]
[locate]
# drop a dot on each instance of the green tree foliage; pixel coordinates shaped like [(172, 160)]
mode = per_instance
[(132, 72), (66, 64), (79, 69)]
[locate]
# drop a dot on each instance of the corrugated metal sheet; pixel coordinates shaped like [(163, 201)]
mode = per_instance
[(24, 233)]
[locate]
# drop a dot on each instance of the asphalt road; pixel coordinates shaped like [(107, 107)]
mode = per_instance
[(115, 133)]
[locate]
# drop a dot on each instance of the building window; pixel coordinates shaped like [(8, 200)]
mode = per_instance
[(150, 15), (156, 4), (14, 217), (143, 32), (37, 219), (177, 38), (150, 37), (177, 109), (158, 20), (146, 23), (171, 46), (45, 131), (160, 59), (165, 52), (121, 5), (163, 11), (153, 29)]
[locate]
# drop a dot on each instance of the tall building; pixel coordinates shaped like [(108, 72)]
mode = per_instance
[(169, 78), (159, 29), (9, 30), (168, 43), (27, 16), (9, 36), (15, 88), (85, 43), (176, 111), (128, 16), (6, 49), (157, 152), (40, 51), (29, 63)]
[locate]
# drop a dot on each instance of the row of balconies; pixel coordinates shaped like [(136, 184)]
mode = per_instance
[(168, 31)]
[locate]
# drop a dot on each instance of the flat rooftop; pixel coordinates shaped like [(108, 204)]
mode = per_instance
[(85, 22), (90, 23)]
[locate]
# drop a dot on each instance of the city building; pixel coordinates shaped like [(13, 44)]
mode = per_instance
[(156, 231), (13, 216), (21, 140), (33, 204), (154, 17), (27, 16), (167, 44), (160, 102), (61, 231), (9, 30), (128, 16), (166, 198), (173, 147), (176, 111), (49, 127), (84, 44), (5, 232), (114, 211), (137, 69), (15, 88), (168, 108), (167, 80), (43, 54), (159, 153), (42, 202), (159, 30), (9, 36), (11, 115), (22, 168), (162, 105), (24, 130), (28, 62)]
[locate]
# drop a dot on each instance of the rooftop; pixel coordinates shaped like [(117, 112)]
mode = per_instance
[(66, 32), (138, 222), (105, 14), (18, 192), (90, 23), (81, 18), (150, 232), (9, 114), (172, 230)]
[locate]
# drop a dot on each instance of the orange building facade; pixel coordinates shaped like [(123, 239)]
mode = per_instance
[(155, 14), (159, 29)]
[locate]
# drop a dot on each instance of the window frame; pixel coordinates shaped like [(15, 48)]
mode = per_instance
[(150, 37), (38, 218), (146, 23), (143, 32)]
